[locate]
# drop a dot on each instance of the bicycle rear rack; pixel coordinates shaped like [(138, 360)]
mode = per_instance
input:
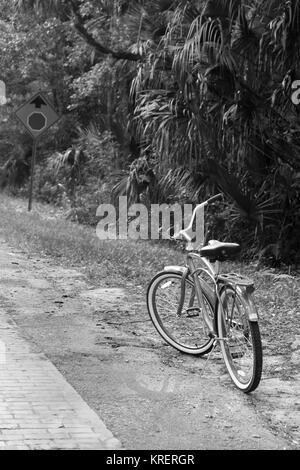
[(236, 279)]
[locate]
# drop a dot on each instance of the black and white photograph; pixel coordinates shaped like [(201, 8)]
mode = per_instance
[(150, 228)]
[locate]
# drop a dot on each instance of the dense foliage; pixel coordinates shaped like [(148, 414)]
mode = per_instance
[(170, 99)]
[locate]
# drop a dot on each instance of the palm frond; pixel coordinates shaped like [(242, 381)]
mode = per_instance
[(42, 5)]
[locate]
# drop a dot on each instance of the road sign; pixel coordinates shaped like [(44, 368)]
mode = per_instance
[(37, 115)]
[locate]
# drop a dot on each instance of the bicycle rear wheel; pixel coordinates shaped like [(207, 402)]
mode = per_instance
[(183, 328), (240, 340)]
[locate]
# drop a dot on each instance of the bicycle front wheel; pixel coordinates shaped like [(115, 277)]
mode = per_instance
[(177, 317), (240, 340)]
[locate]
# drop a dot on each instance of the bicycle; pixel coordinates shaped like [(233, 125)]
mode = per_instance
[(196, 308)]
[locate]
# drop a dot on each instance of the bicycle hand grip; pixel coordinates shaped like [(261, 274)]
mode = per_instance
[(181, 235)]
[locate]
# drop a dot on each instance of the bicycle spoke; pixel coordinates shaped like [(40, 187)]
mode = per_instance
[(184, 329), (241, 347)]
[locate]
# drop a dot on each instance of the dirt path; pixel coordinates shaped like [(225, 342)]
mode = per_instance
[(148, 395)]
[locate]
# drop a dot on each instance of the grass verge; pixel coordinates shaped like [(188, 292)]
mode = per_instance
[(45, 232)]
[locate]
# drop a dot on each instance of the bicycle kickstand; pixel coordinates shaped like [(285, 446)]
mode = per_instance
[(208, 357)]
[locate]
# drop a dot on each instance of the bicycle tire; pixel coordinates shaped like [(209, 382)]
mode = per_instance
[(240, 340), (185, 332)]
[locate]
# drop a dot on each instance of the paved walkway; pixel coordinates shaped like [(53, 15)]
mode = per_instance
[(38, 408)]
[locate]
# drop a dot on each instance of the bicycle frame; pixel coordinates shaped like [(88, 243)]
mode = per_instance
[(212, 273), (220, 282), (190, 271)]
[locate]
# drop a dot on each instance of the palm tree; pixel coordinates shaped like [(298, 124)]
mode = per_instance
[(213, 99)]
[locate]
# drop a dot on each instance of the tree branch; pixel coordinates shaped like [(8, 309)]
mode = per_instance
[(81, 29)]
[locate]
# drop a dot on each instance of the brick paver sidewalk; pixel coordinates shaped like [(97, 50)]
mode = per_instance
[(38, 408)]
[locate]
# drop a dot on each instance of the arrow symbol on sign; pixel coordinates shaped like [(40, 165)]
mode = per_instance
[(38, 102)]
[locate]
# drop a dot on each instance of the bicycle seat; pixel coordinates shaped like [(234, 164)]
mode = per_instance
[(219, 251)]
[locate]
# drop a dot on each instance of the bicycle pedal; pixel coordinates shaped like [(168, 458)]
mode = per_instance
[(237, 355), (193, 312)]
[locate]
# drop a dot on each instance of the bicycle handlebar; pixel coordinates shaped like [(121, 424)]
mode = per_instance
[(183, 233), (214, 198)]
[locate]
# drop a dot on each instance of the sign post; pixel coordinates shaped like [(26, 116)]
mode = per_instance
[(37, 115), (33, 160)]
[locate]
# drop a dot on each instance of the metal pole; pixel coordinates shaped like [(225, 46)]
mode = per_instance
[(33, 159)]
